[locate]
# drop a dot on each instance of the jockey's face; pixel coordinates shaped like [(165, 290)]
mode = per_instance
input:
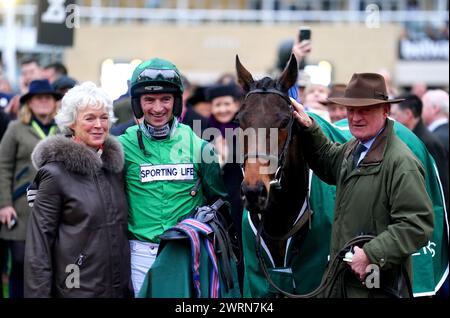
[(365, 122), (157, 108)]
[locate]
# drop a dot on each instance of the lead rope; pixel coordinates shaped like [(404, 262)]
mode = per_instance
[(329, 277)]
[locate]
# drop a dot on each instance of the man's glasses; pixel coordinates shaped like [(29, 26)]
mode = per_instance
[(154, 74)]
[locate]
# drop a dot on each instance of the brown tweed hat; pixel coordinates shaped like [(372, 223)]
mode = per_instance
[(364, 89)]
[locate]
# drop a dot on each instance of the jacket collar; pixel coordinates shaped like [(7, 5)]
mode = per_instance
[(376, 152), (78, 158), (437, 123)]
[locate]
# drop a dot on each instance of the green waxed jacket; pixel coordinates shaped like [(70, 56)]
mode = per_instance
[(158, 204), (308, 260), (384, 196)]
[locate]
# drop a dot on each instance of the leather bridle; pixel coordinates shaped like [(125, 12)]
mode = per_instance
[(281, 159)]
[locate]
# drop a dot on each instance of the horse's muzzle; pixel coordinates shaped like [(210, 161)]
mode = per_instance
[(254, 197)]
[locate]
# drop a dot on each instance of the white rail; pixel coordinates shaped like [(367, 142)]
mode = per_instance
[(100, 15)]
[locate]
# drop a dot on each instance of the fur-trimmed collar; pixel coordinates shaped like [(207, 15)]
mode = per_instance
[(78, 158)]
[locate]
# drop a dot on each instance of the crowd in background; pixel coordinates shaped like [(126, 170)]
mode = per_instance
[(425, 111)]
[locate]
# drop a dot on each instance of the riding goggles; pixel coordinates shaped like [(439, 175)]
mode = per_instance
[(155, 74)]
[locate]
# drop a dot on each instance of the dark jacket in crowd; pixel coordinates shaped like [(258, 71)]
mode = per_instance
[(190, 116), (438, 152), (232, 178), (79, 218), (198, 96), (441, 132), (4, 121), (120, 129), (232, 172), (122, 110)]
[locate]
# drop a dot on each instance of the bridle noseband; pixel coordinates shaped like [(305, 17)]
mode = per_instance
[(281, 159)]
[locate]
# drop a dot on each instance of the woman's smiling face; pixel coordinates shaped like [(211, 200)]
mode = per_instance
[(91, 126), (224, 108)]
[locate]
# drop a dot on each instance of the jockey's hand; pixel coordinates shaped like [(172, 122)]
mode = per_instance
[(359, 263), (300, 115)]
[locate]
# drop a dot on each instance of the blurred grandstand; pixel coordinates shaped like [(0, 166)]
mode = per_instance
[(407, 37)]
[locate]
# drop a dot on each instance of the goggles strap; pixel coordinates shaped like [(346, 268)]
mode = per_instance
[(154, 74)]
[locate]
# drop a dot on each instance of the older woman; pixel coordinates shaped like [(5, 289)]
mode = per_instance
[(76, 241), (35, 122)]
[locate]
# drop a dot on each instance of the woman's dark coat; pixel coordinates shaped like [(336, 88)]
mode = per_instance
[(78, 222)]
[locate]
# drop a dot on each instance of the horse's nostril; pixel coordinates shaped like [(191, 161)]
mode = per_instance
[(262, 191), (254, 193)]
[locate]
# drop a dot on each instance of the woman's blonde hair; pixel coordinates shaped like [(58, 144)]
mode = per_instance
[(25, 113)]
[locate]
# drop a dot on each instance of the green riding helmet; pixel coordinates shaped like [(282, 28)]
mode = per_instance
[(156, 76)]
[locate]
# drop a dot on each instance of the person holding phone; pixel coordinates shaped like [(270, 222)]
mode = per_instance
[(300, 47)]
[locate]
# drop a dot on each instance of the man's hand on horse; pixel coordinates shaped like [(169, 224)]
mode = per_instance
[(300, 115), (359, 263)]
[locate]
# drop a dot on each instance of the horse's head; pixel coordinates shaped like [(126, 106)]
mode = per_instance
[(266, 120)]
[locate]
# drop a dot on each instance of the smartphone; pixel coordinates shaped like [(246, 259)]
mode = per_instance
[(304, 33), (12, 224)]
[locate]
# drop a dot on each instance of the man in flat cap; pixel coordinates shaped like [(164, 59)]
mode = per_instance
[(380, 194)]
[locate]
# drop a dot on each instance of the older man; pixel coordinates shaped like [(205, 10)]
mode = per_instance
[(380, 190)]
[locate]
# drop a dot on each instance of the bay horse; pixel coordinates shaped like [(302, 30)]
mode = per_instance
[(276, 199)]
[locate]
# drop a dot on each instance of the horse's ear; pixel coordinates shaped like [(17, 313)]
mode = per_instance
[(245, 79), (288, 78)]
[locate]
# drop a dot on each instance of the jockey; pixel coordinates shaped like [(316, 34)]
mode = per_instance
[(169, 171)]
